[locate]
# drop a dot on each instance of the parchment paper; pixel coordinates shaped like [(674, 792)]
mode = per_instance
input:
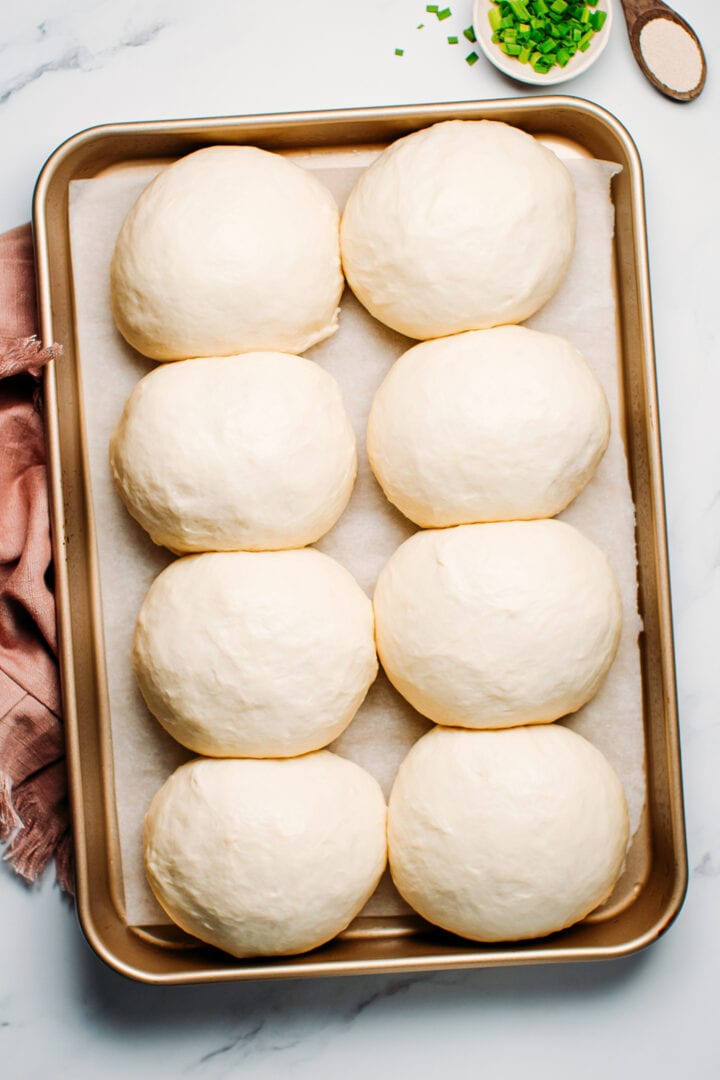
[(358, 356)]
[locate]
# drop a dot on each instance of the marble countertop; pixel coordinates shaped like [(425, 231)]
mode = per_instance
[(68, 65)]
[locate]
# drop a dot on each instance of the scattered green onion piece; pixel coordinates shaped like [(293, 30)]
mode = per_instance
[(452, 40), (444, 14), (432, 8), (598, 20), (399, 52), (472, 58), (469, 33)]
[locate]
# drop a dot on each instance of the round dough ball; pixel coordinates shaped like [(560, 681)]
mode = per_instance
[(465, 225), (490, 425), (264, 858), (492, 626), (504, 835), (231, 249), (252, 451), (255, 654)]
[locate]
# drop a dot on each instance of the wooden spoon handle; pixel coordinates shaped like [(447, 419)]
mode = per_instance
[(635, 8)]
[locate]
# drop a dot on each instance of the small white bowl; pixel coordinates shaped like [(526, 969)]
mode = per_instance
[(512, 67)]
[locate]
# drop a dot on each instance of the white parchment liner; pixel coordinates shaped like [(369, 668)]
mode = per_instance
[(359, 355)]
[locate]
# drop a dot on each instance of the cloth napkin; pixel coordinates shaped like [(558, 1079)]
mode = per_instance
[(34, 821)]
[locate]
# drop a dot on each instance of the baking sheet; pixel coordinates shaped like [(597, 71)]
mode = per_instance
[(358, 356)]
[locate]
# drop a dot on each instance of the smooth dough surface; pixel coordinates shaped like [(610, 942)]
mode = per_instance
[(464, 225), (504, 835), (489, 425), (265, 858), (255, 654), (253, 452), (230, 249), (497, 625)]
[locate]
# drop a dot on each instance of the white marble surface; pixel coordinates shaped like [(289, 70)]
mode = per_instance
[(67, 65)]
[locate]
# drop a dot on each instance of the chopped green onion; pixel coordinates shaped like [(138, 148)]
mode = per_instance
[(469, 33), (543, 32), (472, 58), (432, 8), (399, 52), (518, 9), (444, 14), (452, 40)]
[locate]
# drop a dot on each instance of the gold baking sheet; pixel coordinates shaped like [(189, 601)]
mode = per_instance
[(654, 880)]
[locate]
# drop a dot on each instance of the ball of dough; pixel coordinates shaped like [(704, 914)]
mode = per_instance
[(503, 835), (491, 626), (255, 654), (231, 249), (265, 858), (490, 425), (252, 451), (465, 225)]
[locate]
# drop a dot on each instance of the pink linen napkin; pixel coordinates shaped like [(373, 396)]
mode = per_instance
[(33, 783)]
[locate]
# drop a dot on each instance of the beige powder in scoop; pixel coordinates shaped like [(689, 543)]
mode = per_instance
[(671, 54)]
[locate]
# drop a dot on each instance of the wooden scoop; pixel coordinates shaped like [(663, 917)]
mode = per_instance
[(666, 48)]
